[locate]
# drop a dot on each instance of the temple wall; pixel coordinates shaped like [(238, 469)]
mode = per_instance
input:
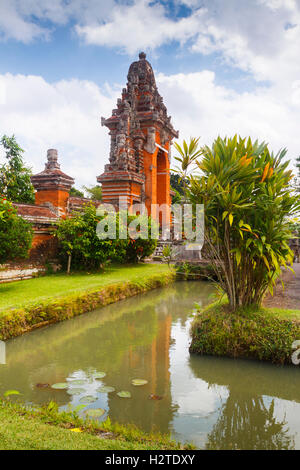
[(57, 198)]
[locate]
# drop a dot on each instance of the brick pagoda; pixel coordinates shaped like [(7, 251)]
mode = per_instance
[(141, 136)]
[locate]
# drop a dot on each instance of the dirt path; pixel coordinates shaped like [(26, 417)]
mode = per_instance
[(289, 297)]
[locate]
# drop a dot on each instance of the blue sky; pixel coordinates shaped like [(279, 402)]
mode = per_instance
[(221, 66)]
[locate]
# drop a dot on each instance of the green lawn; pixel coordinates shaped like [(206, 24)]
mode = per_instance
[(20, 293), (21, 429)]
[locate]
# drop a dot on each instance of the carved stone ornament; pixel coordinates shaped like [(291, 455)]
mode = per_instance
[(133, 124)]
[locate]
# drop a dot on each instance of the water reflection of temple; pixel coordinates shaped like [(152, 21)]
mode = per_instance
[(134, 339), (127, 340), (150, 362)]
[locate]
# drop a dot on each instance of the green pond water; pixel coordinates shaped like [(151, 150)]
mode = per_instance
[(212, 402)]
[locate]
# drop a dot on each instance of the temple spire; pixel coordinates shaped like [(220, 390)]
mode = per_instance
[(141, 134)]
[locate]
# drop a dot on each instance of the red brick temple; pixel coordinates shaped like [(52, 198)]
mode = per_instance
[(139, 163), (141, 136)]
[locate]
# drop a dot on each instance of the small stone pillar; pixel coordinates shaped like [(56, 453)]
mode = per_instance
[(52, 186)]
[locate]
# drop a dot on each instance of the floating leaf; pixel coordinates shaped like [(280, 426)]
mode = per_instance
[(11, 392), (139, 382), (76, 430), (106, 389), (60, 386), (99, 375), (88, 399), (124, 394), (77, 382), (75, 391), (95, 413)]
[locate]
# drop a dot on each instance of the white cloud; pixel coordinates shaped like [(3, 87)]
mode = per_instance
[(261, 37), (23, 19), (201, 108), (13, 25), (140, 25), (66, 115), (63, 115)]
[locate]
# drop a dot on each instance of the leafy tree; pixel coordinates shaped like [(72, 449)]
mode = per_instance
[(15, 233), (76, 193), (248, 202), (80, 244), (94, 192), (15, 181)]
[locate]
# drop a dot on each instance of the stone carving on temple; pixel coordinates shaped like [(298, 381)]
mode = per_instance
[(138, 127)]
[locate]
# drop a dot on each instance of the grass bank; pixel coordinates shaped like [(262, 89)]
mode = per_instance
[(47, 429), (26, 305), (264, 334)]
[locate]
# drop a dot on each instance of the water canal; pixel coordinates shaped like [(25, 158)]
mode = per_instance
[(212, 402)]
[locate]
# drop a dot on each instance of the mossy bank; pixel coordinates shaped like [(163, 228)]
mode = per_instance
[(45, 310), (47, 429), (264, 334)]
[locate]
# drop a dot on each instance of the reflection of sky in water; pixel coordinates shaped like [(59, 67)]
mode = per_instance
[(198, 403), (213, 402)]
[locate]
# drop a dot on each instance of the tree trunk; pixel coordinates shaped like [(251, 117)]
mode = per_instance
[(69, 264)]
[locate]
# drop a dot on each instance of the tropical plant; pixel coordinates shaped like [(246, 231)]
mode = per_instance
[(15, 181), (248, 206), (15, 233), (187, 158), (167, 254)]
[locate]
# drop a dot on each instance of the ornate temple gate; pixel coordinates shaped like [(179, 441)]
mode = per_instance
[(141, 137)]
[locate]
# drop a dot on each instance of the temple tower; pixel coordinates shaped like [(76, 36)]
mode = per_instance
[(52, 186), (141, 136)]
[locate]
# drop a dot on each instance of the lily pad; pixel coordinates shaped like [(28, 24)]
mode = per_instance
[(60, 386), (77, 382), (139, 382), (106, 389), (124, 394), (95, 413), (99, 375), (88, 399), (75, 391)]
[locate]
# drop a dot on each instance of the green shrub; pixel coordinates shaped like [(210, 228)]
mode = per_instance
[(140, 248), (194, 271), (79, 241), (15, 233), (248, 333)]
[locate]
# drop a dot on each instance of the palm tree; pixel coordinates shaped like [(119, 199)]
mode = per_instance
[(188, 156)]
